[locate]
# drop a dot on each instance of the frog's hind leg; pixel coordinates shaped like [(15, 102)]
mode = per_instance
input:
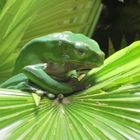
[(14, 81), (20, 86)]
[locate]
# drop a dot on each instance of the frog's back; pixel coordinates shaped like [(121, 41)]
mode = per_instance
[(42, 50), (36, 51)]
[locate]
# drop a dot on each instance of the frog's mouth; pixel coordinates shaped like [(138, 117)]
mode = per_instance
[(83, 71), (86, 66), (81, 66)]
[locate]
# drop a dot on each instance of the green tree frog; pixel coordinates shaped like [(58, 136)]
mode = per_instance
[(52, 64)]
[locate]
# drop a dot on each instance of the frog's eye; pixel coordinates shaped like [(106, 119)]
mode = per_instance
[(80, 48), (81, 52)]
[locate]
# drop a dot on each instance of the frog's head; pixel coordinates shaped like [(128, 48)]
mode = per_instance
[(84, 53), (75, 50)]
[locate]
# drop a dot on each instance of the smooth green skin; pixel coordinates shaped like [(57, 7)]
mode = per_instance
[(53, 61)]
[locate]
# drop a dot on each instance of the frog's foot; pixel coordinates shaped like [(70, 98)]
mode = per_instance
[(62, 99), (51, 96), (36, 90), (30, 88), (76, 85), (44, 93), (37, 94)]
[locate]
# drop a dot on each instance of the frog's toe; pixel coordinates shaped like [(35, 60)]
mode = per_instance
[(51, 96), (39, 92)]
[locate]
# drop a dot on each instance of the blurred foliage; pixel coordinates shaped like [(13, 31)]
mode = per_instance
[(2, 3)]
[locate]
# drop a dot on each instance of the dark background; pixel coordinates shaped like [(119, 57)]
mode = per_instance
[(119, 20)]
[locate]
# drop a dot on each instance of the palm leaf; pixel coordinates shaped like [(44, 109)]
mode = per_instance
[(77, 16), (102, 112), (115, 67), (13, 22)]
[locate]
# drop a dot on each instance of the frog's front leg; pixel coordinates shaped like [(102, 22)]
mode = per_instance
[(74, 80), (36, 73)]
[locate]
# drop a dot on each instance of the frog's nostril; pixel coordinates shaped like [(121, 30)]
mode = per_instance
[(100, 59), (103, 57)]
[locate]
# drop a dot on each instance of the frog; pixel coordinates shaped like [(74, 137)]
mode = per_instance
[(51, 65)]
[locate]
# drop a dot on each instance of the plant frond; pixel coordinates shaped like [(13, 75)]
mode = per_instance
[(109, 110)]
